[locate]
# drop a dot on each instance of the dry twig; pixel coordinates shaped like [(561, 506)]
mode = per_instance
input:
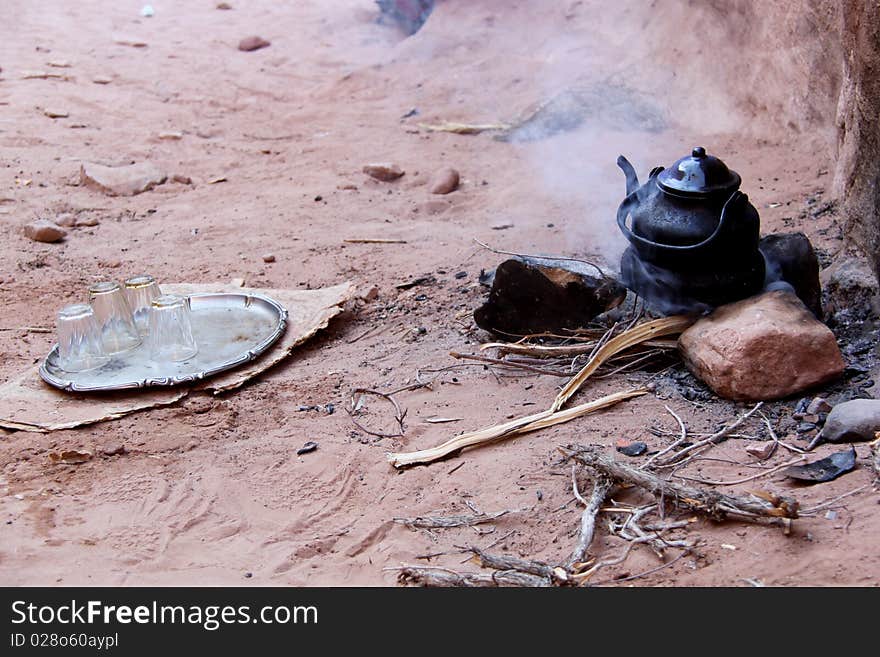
[(709, 502), (601, 486), (444, 522)]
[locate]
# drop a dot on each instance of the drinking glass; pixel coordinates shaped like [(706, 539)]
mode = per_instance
[(140, 292), (118, 330), (80, 347), (170, 334)]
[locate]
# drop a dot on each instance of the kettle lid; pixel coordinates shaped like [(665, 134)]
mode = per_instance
[(698, 175)]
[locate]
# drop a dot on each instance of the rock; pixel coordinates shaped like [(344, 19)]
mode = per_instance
[(444, 181), (790, 258), (121, 181), (849, 283), (113, 450), (251, 43), (533, 296), (56, 113), (268, 258), (852, 421), (102, 79), (182, 179), (762, 451), (818, 406), (636, 448), (43, 230), (765, 347), (225, 6), (386, 172), (88, 221), (66, 219), (172, 135), (126, 40)]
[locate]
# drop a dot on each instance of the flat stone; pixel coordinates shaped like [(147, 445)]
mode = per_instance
[(121, 181), (765, 347), (88, 222), (384, 171), (102, 79), (253, 43), (43, 230), (818, 406), (56, 113), (268, 258), (445, 181), (852, 421)]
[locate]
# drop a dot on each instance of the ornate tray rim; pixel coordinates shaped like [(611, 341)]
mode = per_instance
[(245, 357)]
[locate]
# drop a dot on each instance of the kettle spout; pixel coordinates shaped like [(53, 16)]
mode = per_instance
[(632, 180)]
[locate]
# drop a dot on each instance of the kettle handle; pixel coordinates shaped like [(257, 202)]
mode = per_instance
[(624, 210)]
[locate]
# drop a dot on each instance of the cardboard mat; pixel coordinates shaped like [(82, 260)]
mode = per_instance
[(27, 403)]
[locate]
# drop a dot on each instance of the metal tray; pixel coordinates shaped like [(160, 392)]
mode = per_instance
[(230, 330)]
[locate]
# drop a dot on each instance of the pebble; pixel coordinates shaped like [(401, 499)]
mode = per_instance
[(268, 258), (251, 43), (805, 427), (225, 6), (102, 79), (818, 406), (386, 172), (56, 113), (761, 451), (88, 221), (445, 181), (180, 178), (113, 450), (172, 135), (66, 219), (635, 448), (121, 181), (43, 230), (310, 446)]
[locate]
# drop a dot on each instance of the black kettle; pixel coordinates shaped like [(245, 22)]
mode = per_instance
[(689, 214), (693, 236)]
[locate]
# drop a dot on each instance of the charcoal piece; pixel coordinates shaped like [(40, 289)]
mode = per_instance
[(636, 448), (790, 258), (825, 469), (536, 296)]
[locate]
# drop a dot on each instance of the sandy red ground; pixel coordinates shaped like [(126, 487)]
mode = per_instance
[(212, 492)]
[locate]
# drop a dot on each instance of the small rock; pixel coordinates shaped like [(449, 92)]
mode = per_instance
[(818, 405), (59, 63), (372, 294), (102, 79), (43, 230), (225, 6), (848, 283), (765, 347), (805, 427), (253, 43), (761, 451), (134, 42), (172, 135), (66, 219), (110, 264), (56, 113), (825, 469), (386, 172), (121, 181), (852, 421), (635, 448), (444, 181), (461, 274), (811, 418), (88, 221), (180, 178), (113, 450), (502, 226), (268, 258), (310, 446), (790, 258), (147, 11)]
